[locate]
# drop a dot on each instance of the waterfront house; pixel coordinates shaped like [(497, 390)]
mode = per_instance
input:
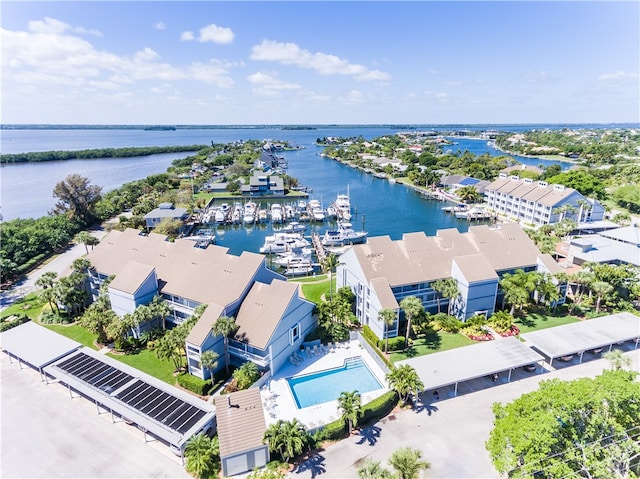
[(382, 272), (264, 184), (185, 277), (539, 203), (165, 211), (613, 246)]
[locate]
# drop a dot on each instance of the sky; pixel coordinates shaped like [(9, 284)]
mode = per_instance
[(312, 62)]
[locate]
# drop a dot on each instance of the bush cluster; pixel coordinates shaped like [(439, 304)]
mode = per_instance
[(6, 325), (194, 384), (378, 408)]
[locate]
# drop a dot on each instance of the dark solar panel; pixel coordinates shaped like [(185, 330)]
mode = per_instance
[(161, 406), (469, 181), (94, 372)]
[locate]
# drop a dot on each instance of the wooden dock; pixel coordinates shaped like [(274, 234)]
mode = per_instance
[(317, 246)]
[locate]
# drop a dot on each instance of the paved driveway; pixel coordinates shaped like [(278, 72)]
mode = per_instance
[(46, 434), (450, 433)]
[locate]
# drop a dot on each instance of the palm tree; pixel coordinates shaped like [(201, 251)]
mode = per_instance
[(209, 360), (273, 437), (405, 380), (47, 282), (388, 317), (294, 438), (329, 265), (225, 326), (447, 288), (468, 194), (87, 239), (160, 310), (412, 307), (582, 279), (372, 469), (350, 403), (199, 454), (617, 359), (408, 462), (601, 289)]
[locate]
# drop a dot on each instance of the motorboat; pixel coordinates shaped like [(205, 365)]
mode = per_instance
[(236, 214), (220, 215), (294, 257), (331, 211), (317, 212), (283, 242), (249, 212), (294, 227), (343, 206), (301, 269), (344, 235), (276, 213)]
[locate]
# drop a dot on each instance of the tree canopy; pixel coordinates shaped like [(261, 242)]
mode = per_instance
[(583, 428)]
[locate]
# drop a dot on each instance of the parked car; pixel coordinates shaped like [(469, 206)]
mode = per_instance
[(566, 359), (529, 367)]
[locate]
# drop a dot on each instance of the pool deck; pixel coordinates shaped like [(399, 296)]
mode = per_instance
[(279, 403)]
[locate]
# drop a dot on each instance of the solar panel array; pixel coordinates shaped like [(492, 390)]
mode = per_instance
[(95, 373), (469, 181), (161, 406)]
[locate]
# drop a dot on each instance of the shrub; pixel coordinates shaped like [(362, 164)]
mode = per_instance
[(378, 408), (194, 384), (246, 375), (373, 341), (332, 431), (12, 323), (395, 344)]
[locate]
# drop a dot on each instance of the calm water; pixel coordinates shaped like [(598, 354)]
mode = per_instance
[(326, 386), (382, 208)]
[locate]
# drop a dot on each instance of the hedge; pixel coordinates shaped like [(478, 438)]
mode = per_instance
[(6, 325), (373, 341), (378, 408), (194, 384), (395, 344), (333, 431)]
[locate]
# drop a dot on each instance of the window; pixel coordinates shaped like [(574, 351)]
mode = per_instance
[(294, 333)]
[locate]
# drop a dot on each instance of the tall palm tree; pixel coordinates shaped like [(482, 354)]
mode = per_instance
[(209, 360), (412, 307), (350, 403), (371, 469), (405, 380), (225, 326), (388, 317), (47, 282), (329, 265), (582, 279), (160, 310), (617, 359), (273, 437), (601, 289), (447, 288), (408, 462), (200, 456)]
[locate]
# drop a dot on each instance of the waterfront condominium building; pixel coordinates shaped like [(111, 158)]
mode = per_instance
[(538, 203), (382, 272), (271, 316)]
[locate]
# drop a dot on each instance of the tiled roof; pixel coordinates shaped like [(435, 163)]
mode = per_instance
[(417, 258), (203, 327), (241, 423), (131, 277), (262, 310), (548, 195)]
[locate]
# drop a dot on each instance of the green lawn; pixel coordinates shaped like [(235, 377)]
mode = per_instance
[(147, 361), (314, 291), (434, 342), (31, 305), (535, 321), (75, 332), (309, 279)]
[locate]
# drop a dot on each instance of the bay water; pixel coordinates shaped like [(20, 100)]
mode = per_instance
[(380, 207)]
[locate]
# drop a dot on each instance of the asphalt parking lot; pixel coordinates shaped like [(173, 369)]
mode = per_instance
[(46, 434)]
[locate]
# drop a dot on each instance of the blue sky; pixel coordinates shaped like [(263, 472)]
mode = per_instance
[(312, 62)]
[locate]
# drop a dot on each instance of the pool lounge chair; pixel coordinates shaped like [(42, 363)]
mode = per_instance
[(298, 357), (315, 350), (308, 351)]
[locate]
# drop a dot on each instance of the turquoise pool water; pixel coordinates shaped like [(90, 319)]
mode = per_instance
[(325, 386)]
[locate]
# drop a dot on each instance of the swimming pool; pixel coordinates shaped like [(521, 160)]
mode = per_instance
[(325, 386)]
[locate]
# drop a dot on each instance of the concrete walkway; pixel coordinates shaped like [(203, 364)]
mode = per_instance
[(450, 433)]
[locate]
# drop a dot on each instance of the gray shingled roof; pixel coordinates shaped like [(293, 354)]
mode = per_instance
[(241, 423)]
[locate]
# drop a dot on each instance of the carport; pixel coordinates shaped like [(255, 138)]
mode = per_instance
[(36, 346), (471, 362), (576, 338), (165, 412)]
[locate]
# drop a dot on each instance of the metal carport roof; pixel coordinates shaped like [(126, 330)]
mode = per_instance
[(36, 345), (164, 411), (585, 335), (470, 362)]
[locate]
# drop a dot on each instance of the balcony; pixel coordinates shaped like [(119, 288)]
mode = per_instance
[(240, 350)]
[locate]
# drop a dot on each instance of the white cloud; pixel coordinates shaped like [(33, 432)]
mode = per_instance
[(52, 26), (211, 33), (619, 75), (187, 36), (325, 64), (354, 97), (50, 54), (160, 26), (268, 84)]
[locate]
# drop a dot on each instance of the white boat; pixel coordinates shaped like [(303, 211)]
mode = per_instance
[(294, 257), (302, 204), (236, 214), (302, 269), (249, 212), (343, 206), (331, 211), (294, 227), (344, 235), (220, 215), (317, 213), (477, 212), (276, 213), (283, 242), (262, 215)]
